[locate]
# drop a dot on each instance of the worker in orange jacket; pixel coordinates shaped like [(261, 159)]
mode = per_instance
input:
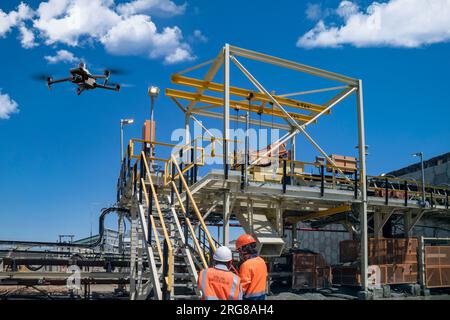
[(253, 270), (218, 282)]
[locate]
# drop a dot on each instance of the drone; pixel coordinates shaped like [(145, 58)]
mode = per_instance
[(85, 80)]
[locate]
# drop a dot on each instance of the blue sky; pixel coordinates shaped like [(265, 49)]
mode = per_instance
[(59, 153)]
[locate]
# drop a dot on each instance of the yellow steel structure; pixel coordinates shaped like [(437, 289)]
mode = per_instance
[(256, 96), (234, 104), (326, 213)]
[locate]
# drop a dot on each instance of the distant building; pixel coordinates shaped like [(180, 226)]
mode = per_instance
[(437, 171)]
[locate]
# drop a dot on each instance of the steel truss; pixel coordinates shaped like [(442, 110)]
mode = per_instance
[(295, 123)]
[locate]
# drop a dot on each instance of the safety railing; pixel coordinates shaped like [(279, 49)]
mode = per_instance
[(130, 160), (191, 202), (388, 187), (188, 223), (285, 171), (189, 157), (166, 259), (136, 175)]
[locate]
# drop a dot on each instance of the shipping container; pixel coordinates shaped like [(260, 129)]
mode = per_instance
[(437, 266), (310, 271)]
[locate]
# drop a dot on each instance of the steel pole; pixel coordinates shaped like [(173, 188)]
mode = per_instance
[(226, 107), (362, 187), (121, 141), (423, 178), (152, 105), (247, 147)]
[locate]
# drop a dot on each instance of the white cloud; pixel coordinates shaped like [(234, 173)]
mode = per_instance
[(62, 56), (27, 38), (313, 11), (179, 55), (7, 106), (71, 20), (14, 18), (397, 23), (346, 9), (199, 36), (153, 7), (123, 29), (138, 35)]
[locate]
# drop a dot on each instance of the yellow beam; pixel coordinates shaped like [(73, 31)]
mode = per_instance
[(234, 104), (257, 96), (326, 213)]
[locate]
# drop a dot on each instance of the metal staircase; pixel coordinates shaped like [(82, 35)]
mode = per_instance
[(165, 252)]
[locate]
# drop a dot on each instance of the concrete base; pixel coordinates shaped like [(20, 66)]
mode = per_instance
[(377, 293), (383, 292), (365, 295), (426, 292), (386, 291), (414, 289)]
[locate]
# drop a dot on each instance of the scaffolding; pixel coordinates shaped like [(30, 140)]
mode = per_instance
[(171, 203)]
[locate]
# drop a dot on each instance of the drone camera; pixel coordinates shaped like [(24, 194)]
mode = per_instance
[(107, 74), (49, 82)]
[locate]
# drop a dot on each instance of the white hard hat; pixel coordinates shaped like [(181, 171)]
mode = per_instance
[(223, 254)]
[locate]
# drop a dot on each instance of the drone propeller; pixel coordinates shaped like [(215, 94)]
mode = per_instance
[(40, 77), (117, 71)]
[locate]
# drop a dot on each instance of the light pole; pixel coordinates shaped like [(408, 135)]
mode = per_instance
[(153, 93), (420, 154), (121, 225), (123, 122)]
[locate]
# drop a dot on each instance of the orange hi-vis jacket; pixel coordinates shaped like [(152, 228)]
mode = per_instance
[(253, 273), (219, 284)]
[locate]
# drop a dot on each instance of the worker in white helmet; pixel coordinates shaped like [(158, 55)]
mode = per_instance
[(218, 282)]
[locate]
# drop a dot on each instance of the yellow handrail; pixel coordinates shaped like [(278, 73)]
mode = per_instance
[(194, 205), (191, 229), (152, 221), (163, 224)]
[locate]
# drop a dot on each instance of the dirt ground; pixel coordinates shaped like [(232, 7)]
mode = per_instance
[(106, 292), (343, 293)]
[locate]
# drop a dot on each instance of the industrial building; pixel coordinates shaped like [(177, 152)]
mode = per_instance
[(318, 222)]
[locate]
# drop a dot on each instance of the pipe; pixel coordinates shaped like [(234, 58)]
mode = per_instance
[(101, 227)]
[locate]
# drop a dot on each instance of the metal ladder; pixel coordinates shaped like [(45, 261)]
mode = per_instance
[(164, 258)]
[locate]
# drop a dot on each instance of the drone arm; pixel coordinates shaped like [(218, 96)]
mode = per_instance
[(50, 82), (100, 76), (115, 88)]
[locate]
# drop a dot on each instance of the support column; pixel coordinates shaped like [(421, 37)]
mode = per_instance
[(133, 254), (187, 134), (226, 108), (279, 218), (294, 235), (378, 224), (226, 218), (250, 215), (362, 187), (140, 265), (421, 258), (293, 158), (121, 228), (407, 223)]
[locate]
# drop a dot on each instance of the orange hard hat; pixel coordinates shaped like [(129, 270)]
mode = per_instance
[(244, 240)]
